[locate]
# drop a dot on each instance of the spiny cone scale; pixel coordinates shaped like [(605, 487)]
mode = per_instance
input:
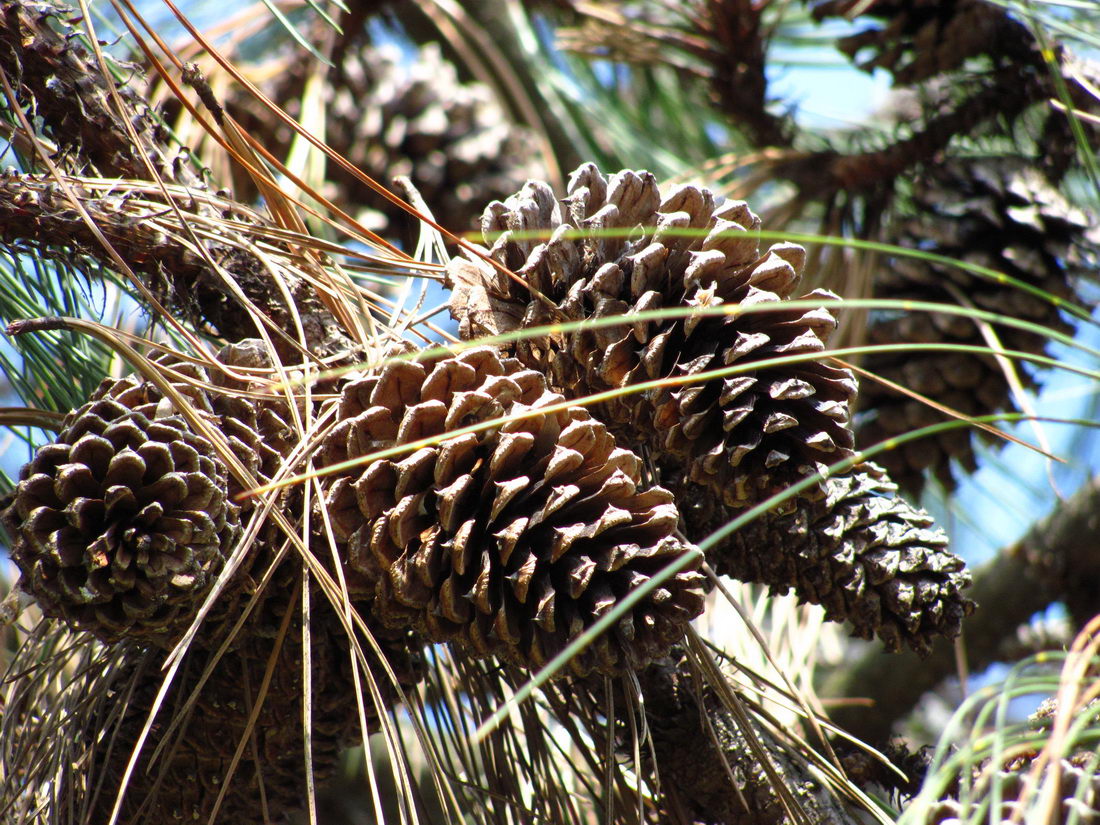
[(998, 214), (867, 556), (617, 246), (513, 540), (122, 525)]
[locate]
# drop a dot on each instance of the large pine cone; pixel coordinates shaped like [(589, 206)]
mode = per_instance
[(122, 525), (998, 214), (513, 540), (747, 435), (865, 555)]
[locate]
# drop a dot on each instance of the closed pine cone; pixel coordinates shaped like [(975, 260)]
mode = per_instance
[(745, 435), (513, 540), (269, 781), (864, 554)]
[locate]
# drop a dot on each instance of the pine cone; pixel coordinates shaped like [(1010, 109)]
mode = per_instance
[(865, 555), (122, 525), (746, 436), (923, 38), (389, 116), (1074, 770), (997, 213), (194, 767), (510, 541)]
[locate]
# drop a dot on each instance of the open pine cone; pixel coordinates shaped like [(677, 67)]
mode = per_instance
[(121, 526), (864, 554), (611, 248), (513, 540), (997, 214)]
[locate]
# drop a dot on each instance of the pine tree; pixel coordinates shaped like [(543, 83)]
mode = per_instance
[(291, 529)]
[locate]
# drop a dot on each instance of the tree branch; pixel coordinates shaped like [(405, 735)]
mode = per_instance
[(1055, 560), (697, 741), (61, 83), (36, 212)]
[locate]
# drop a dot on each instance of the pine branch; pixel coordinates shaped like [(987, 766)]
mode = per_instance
[(697, 741), (704, 758), (819, 175), (736, 52), (36, 213), (57, 79), (1054, 561), (59, 84)]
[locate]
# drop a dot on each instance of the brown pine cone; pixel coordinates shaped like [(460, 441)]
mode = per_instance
[(269, 782), (865, 555), (745, 436), (390, 116), (122, 525), (510, 541), (1000, 214)]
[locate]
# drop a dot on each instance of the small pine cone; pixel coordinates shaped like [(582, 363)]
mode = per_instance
[(122, 523), (513, 540), (865, 555), (745, 436), (1001, 215)]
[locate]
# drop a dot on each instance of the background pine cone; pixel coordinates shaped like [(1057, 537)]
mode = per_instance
[(922, 38), (998, 214), (513, 540), (747, 435), (391, 116), (1077, 790), (862, 553), (194, 767)]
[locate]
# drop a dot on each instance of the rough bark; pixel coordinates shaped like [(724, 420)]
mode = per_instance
[(695, 738)]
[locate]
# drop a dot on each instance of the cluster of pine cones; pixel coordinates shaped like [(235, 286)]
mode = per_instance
[(472, 499)]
